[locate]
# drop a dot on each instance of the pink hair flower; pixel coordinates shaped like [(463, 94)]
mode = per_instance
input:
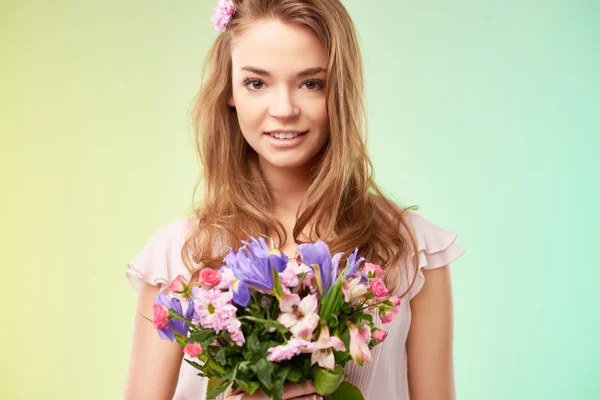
[(222, 14)]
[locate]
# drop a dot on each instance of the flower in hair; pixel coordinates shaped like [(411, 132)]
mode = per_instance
[(222, 14)]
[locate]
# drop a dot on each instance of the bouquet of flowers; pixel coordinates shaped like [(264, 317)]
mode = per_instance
[(263, 320)]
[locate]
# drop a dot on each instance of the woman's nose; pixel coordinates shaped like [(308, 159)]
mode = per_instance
[(283, 105)]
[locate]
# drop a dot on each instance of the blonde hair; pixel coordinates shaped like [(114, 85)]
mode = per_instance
[(347, 207)]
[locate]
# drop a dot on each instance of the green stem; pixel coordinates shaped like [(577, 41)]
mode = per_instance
[(181, 317), (369, 306), (212, 364), (264, 321)]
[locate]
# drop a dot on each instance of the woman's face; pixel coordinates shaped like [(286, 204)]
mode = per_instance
[(278, 77)]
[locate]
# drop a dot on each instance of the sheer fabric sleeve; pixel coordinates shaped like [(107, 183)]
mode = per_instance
[(159, 261), (436, 248)]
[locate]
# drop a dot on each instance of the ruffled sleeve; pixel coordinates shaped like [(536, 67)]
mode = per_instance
[(159, 261), (436, 248)]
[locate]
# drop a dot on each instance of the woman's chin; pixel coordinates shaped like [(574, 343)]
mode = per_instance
[(285, 162)]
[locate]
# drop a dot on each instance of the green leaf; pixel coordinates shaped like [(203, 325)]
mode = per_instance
[(346, 391), (220, 356), (283, 371), (367, 317), (248, 387), (203, 337), (327, 381), (253, 343), (216, 387), (264, 371), (328, 302), (346, 309), (244, 366), (341, 357), (194, 364), (294, 375)]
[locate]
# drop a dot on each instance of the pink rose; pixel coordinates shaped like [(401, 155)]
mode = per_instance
[(209, 277), (193, 349), (395, 301), (160, 316), (388, 316), (179, 284), (380, 291), (373, 270), (380, 335)]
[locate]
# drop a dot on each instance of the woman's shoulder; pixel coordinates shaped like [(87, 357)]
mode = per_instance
[(160, 260), (436, 247), (425, 231)]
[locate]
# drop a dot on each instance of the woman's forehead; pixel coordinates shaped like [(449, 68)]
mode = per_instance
[(275, 46)]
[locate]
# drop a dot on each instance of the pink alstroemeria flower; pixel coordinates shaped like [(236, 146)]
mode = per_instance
[(299, 315), (293, 347), (359, 344), (289, 276), (227, 278), (353, 290), (322, 349)]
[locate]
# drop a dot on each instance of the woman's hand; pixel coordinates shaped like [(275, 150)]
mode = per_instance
[(291, 391)]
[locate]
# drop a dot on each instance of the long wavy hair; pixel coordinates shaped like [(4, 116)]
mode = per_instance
[(343, 206)]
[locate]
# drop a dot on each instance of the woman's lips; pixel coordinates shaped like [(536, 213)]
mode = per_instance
[(285, 143)]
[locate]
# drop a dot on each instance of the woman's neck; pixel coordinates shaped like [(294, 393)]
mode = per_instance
[(287, 186)]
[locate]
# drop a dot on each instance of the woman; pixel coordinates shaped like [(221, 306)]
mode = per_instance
[(279, 124)]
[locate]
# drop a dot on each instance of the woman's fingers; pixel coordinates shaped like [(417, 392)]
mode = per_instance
[(309, 397), (296, 390), (234, 395), (291, 391)]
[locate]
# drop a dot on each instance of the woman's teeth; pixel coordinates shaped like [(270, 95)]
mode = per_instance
[(284, 135)]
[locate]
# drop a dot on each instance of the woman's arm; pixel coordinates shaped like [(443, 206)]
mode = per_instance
[(154, 362), (430, 339)]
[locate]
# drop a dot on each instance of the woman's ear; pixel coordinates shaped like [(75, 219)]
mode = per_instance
[(230, 101)]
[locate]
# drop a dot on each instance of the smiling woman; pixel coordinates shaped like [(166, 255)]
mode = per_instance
[(279, 130), (279, 74)]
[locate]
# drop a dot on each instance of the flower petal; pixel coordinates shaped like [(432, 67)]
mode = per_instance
[(309, 304), (337, 344), (241, 293), (288, 319), (288, 301)]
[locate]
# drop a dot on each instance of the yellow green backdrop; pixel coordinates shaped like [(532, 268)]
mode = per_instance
[(486, 114)]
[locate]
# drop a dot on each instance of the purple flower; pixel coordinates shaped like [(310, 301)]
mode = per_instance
[(260, 248), (318, 258), (353, 263), (254, 266), (175, 324)]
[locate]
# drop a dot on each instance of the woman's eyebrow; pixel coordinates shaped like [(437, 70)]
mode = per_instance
[(301, 74)]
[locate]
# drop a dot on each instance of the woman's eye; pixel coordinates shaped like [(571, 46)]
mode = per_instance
[(253, 84), (314, 85)]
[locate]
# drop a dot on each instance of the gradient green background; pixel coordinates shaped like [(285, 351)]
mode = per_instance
[(486, 114)]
